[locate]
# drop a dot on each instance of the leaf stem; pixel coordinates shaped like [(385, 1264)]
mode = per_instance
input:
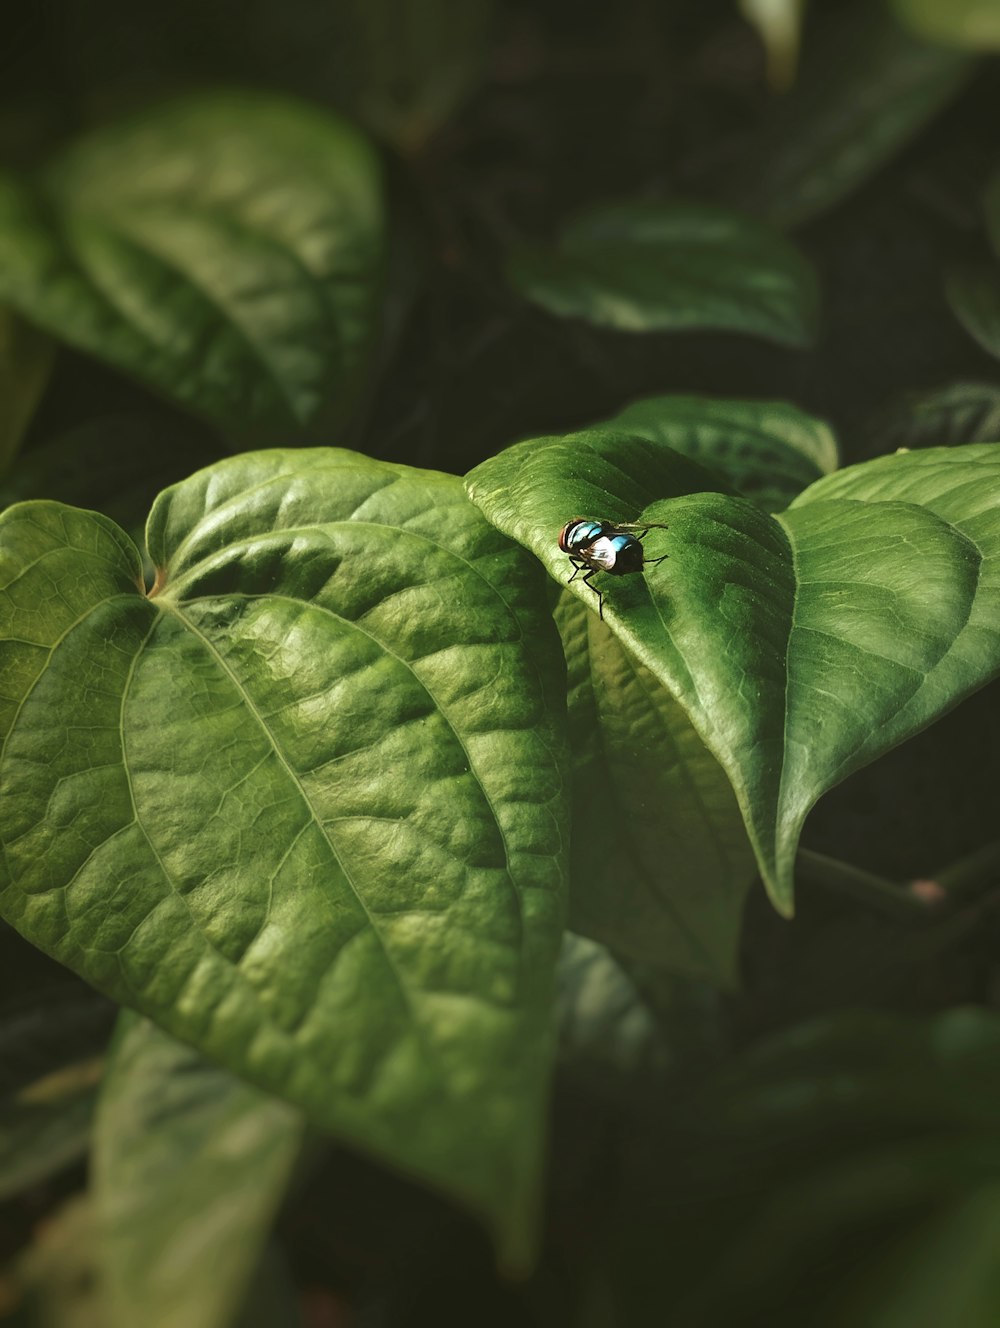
[(877, 893), (970, 875)]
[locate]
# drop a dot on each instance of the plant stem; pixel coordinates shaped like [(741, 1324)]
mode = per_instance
[(849, 882), (971, 874)]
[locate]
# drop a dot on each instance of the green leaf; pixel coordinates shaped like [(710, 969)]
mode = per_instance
[(660, 859), (861, 1154), (768, 450), (646, 267), (190, 1165), (52, 1057), (225, 250), (865, 89), (802, 646), (973, 24), (606, 1031), (314, 824), (973, 291), (25, 363)]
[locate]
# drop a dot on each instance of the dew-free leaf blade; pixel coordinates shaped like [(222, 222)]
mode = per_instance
[(190, 1165), (768, 450), (314, 821), (661, 861), (224, 249), (644, 267), (801, 646)]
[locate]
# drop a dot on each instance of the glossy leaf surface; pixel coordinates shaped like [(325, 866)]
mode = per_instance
[(661, 860), (314, 822), (190, 1165), (801, 646), (768, 450), (224, 249), (643, 267)]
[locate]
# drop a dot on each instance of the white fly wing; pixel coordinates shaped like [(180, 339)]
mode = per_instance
[(602, 553)]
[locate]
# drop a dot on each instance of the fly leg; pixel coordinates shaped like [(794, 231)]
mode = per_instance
[(600, 598)]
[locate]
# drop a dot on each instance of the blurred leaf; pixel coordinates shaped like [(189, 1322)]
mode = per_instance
[(859, 1154), (802, 646), (865, 89), (644, 267), (51, 1060), (25, 363), (973, 292), (768, 450), (315, 821), (56, 1274), (974, 24), (945, 417), (225, 250), (660, 859), (403, 66), (779, 23), (991, 207), (190, 1165), (606, 1032), (116, 465)]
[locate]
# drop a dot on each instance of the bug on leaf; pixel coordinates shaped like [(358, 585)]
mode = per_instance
[(601, 546)]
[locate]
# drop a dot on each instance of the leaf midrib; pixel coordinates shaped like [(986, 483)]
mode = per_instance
[(401, 985)]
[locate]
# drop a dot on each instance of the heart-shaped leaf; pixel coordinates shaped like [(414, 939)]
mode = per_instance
[(768, 450), (189, 1167), (660, 859), (303, 806), (644, 267), (801, 646), (223, 249)]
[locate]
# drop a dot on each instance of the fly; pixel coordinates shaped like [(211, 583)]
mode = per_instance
[(601, 546)]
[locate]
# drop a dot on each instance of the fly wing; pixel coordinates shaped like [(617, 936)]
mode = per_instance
[(601, 554)]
